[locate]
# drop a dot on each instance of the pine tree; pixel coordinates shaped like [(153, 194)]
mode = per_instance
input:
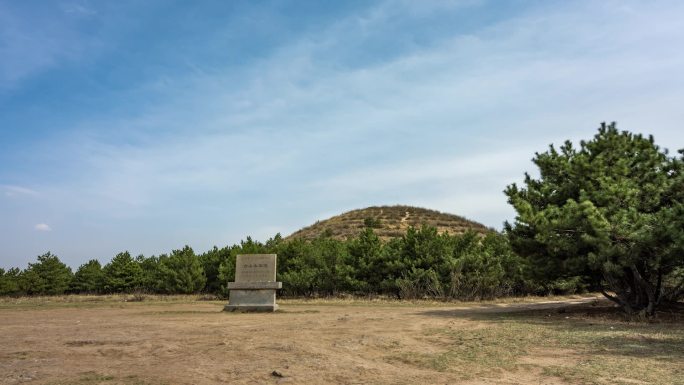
[(49, 276), (211, 263), (122, 274), (10, 281), (182, 272), (89, 278), (603, 213), (366, 253)]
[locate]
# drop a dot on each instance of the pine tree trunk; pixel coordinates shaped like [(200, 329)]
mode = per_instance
[(646, 288)]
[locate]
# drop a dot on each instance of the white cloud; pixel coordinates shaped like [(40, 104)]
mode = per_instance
[(425, 171), (78, 9), (42, 227), (12, 191)]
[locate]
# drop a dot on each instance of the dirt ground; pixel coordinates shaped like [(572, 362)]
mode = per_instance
[(194, 342)]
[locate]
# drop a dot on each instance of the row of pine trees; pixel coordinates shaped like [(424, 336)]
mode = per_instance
[(422, 263)]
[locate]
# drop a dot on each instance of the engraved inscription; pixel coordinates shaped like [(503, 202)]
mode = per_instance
[(255, 268)]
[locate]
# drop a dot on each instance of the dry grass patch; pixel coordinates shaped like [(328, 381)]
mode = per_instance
[(388, 301), (92, 378), (86, 301), (592, 345)]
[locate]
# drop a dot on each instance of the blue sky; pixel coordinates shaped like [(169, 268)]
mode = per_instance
[(148, 125)]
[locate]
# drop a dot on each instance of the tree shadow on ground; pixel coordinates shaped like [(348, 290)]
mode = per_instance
[(597, 328)]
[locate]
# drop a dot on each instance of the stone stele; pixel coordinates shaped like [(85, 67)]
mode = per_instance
[(255, 284)]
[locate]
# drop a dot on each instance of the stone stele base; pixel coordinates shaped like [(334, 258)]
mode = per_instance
[(252, 296)]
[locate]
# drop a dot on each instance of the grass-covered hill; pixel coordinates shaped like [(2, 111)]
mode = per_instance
[(388, 222)]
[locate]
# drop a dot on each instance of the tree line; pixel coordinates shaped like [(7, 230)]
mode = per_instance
[(422, 263), (607, 215)]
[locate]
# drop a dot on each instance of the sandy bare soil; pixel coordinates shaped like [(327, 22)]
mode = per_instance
[(317, 343)]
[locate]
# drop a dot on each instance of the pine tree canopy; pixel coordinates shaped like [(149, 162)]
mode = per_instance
[(608, 213)]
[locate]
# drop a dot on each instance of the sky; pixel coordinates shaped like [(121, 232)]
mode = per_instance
[(148, 125)]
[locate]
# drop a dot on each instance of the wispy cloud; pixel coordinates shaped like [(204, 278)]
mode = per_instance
[(12, 191), (373, 108), (296, 115), (35, 43), (78, 9), (420, 172)]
